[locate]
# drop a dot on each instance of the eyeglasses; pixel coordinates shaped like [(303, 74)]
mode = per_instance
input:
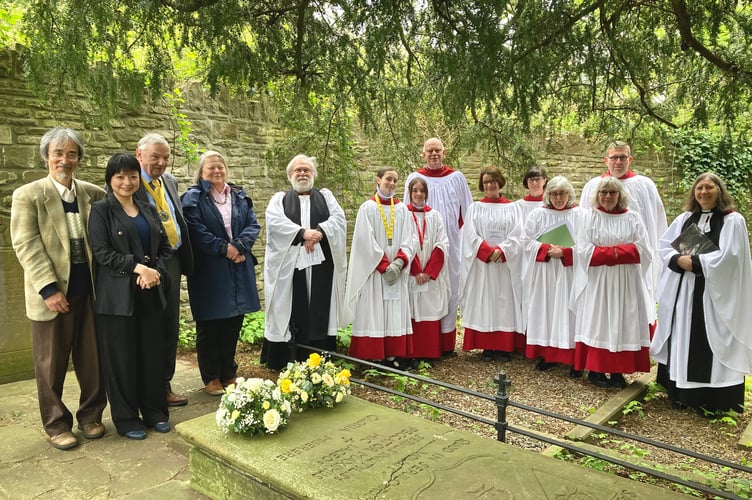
[(558, 194), (608, 193), (536, 179), (618, 157)]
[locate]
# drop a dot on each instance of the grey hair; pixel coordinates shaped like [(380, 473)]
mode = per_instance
[(610, 182), (151, 138), (202, 159), (618, 145), (60, 135), (558, 183), (301, 158)]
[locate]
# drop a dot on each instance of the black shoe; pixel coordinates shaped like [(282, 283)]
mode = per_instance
[(617, 380), (542, 365), (396, 363), (448, 354), (575, 373), (487, 355), (599, 379), (502, 356)]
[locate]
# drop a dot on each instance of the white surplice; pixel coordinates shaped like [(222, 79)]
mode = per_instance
[(547, 285), (372, 310), (430, 302), (280, 262), (727, 304), (491, 291), (645, 200), (612, 303), (451, 197)]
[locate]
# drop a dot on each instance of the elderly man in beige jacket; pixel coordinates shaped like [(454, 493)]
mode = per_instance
[(48, 229)]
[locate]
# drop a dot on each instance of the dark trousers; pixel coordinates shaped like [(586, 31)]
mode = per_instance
[(171, 319), (53, 343), (216, 341), (133, 368)]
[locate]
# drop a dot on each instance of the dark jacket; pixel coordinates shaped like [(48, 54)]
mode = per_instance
[(117, 249), (184, 252), (219, 288)]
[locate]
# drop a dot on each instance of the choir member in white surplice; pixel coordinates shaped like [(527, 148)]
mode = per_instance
[(535, 181), (643, 199), (429, 277), (613, 305), (304, 268), (703, 343), (451, 197), (548, 275), (491, 258), (377, 295)]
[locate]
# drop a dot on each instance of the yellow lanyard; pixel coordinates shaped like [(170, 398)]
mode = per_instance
[(388, 227)]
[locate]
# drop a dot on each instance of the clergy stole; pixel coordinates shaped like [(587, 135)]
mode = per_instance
[(310, 315), (700, 356)]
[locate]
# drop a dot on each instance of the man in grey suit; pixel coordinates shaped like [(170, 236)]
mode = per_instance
[(48, 223), (161, 190)]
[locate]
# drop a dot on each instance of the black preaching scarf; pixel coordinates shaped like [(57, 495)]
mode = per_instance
[(310, 315), (700, 356)]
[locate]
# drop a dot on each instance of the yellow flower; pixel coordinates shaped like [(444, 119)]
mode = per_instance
[(234, 416), (285, 385), (343, 377), (303, 396), (265, 405), (314, 360)]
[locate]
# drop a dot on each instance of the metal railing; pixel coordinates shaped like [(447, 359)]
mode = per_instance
[(502, 401)]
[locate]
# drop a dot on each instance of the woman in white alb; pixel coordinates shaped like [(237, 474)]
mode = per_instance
[(376, 294), (491, 291), (548, 275)]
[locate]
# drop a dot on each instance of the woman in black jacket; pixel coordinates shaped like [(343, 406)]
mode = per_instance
[(131, 251)]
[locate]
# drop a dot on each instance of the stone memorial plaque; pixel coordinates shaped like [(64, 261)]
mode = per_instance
[(360, 450)]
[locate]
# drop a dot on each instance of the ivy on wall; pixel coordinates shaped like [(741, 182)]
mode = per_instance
[(730, 158)]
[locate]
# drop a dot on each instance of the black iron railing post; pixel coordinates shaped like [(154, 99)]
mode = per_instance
[(502, 398)]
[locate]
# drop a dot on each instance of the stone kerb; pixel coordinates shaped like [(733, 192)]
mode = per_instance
[(362, 450)]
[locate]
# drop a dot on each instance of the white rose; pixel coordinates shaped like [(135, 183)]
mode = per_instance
[(339, 397), (303, 396), (328, 380), (272, 419), (315, 378), (254, 384), (276, 394)]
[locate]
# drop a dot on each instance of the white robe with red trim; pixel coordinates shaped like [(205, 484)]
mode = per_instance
[(491, 291), (431, 301), (372, 315), (547, 285), (612, 303)]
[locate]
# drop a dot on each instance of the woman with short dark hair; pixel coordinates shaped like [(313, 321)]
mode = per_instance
[(490, 288), (131, 251)]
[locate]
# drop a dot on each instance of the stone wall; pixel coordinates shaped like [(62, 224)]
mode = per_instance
[(241, 129)]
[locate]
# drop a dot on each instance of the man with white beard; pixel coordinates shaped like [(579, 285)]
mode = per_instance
[(305, 267)]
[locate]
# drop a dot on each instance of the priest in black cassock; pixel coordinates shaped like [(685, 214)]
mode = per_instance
[(304, 268)]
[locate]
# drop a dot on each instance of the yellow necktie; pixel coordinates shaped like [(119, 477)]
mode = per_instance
[(165, 214)]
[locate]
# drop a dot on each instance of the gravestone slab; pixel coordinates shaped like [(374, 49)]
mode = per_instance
[(362, 450)]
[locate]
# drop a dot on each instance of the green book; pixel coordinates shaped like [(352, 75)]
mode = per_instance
[(559, 236)]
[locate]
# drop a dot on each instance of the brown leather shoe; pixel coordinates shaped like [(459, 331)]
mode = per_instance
[(214, 388), (93, 430), (176, 399), (229, 381), (64, 441)]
